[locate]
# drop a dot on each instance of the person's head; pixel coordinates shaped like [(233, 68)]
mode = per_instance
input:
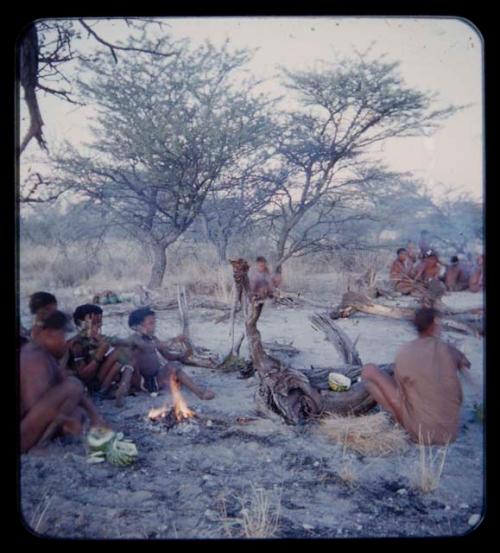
[(42, 304), (454, 260), (261, 263), (402, 254), (143, 320), (431, 258), (52, 333), (424, 233), (427, 321), (88, 316)]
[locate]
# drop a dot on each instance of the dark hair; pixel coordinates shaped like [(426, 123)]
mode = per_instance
[(57, 321), (424, 232), (39, 300), (424, 317), (136, 317), (454, 259), (261, 259), (401, 250), (83, 310)]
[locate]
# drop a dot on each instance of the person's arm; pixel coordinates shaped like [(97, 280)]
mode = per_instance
[(134, 341), (34, 379), (419, 271), (95, 417), (168, 355), (460, 358), (86, 371)]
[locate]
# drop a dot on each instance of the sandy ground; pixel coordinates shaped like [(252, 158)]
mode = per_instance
[(194, 480)]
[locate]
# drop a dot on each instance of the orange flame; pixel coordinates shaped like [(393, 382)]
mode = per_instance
[(181, 410), (157, 413)]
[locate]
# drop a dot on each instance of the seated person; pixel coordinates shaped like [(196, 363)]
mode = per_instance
[(456, 278), (42, 304), (401, 273), (425, 394), (260, 280), (151, 356), (52, 402), (101, 363), (413, 251), (476, 278), (424, 243), (429, 273)]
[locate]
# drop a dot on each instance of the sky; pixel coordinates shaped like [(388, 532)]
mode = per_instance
[(435, 54)]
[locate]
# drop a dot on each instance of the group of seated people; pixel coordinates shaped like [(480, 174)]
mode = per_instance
[(58, 375), (409, 274)]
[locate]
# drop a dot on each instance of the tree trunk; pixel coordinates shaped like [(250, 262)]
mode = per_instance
[(222, 251), (289, 392), (28, 76), (159, 266)]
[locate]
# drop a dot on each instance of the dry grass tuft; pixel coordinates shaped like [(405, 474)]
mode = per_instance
[(430, 466), (374, 435), (347, 470), (38, 517), (259, 515)]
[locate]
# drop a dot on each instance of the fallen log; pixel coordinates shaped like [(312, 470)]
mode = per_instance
[(342, 342), (295, 298), (353, 302), (318, 376)]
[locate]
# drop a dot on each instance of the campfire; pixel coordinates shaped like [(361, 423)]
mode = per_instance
[(178, 413)]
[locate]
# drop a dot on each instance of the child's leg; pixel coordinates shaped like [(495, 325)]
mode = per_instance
[(125, 381), (108, 372), (170, 370)]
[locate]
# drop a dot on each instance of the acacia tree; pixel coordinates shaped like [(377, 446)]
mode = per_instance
[(231, 209), (167, 132), (345, 109), (47, 49), (454, 222)]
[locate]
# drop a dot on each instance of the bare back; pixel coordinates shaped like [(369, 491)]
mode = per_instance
[(39, 371), (431, 394)]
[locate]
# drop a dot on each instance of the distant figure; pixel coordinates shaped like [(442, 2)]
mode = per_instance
[(413, 251), (424, 243), (401, 273), (261, 282), (52, 402), (429, 272), (456, 278), (425, 393), (476, 279)]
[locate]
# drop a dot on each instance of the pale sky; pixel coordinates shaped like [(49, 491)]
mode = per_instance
[(442, 55)]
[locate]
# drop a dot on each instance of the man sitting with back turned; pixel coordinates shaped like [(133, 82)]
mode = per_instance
[(425, 394)]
